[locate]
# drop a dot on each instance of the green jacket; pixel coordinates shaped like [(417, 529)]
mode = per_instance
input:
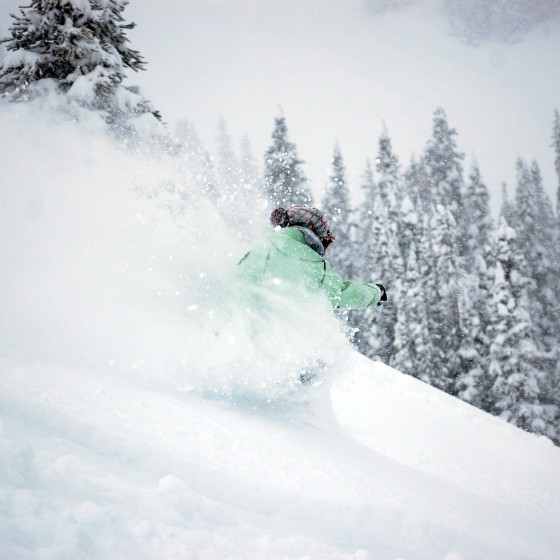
[(288, 262)]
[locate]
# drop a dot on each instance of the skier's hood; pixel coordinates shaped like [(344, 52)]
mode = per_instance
[(311, 239)]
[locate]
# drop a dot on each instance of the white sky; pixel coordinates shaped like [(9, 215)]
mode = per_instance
[(338, 73)]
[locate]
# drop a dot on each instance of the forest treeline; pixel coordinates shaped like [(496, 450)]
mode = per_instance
[(473, 302)]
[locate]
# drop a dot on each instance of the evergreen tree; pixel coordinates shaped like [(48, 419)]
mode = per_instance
[(336, 204), (389, 177), (476, 285), (363, 267), (77, 48), (476, 314), (284, 181), (442, 162), (412, 345), (478, 220), (555, 378), (535, 226), (419, 186), (383, 258), (507, 209), (556, 146), (517, 380), (413, 206), (365, 218), (444, 313), (428, 368)]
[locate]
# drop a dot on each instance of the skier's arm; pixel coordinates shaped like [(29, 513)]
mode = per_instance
[(358, 295), (351, 294)]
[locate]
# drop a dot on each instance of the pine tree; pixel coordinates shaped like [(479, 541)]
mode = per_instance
[(555, 378), (389, 178), (336, 204), (478, 219), (442, 162), (383, 258), (535, 226), (390, 184), (556, 146), (444, 314), (365, 218), (476, 287), (476, 314), (429, 363), (507, 209), (412, 346), (284, 181), (78, 49), (362, 266), (517, 380), (419, 186), (413, 207)]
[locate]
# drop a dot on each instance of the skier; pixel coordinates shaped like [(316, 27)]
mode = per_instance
[(294, 257)]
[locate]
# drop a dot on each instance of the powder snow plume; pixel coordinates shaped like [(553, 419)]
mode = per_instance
[(104, 268)]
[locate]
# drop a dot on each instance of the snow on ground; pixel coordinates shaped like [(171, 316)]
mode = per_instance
[(146, 412), (94, 467)]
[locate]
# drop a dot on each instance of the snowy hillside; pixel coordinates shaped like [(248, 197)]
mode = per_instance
[(146, 412), (94, 467)]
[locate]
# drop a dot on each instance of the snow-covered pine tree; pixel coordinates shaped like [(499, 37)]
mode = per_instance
[(444, 306), (419, 186), (390, 266), (507, 209), (555, 379), (556, 146), (389, 179), (77, 48), (365, 216), (478, 219), (412, 345), (336, 204), (475, 313), (442, 162), (517, 380), (476, 289), (412, 207), (535, 226), (382, 257), (284, 180), (363, 268)]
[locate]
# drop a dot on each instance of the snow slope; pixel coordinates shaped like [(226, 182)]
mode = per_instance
[(107, 469), (147, 412)]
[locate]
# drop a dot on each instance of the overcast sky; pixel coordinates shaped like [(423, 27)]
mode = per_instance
[(339, 72)]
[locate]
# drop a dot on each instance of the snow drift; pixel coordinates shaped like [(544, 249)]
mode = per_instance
[(147, 411)]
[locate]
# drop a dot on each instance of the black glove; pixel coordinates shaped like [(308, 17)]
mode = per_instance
[(383, 294)]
